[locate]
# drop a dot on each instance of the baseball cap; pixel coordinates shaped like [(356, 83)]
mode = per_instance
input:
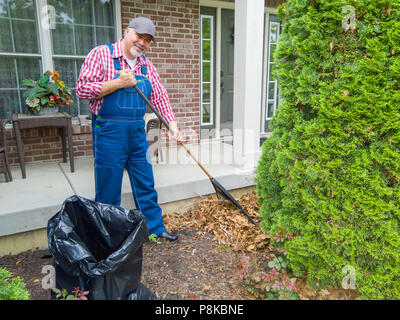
[(143, 25)]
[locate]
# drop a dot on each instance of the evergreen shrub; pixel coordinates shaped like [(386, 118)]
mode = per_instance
[(330, 172), (12, 288)]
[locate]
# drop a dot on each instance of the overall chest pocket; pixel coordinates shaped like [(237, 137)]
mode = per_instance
[(128, 98)]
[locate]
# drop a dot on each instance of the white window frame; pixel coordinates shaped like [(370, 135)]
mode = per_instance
[(45, 41), (266, 71), (211, 61)]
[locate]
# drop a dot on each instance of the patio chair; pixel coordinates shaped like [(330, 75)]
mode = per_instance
[(153, 134), (5, 165)]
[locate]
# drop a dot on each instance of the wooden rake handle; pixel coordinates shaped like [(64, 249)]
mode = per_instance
[(165, 123)]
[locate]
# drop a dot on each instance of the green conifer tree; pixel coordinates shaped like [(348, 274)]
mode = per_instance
[(330, 172)]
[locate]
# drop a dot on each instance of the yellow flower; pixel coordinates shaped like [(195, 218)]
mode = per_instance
[(55, 76), (61, 83)]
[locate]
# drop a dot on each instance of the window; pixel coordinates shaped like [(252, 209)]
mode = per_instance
[(207, 96), (27, 49), (272, 101)]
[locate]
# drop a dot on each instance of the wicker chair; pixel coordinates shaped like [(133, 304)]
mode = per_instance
[(5, 165), (153, 133)]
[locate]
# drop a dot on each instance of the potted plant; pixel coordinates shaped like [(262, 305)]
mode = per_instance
[(46, 94)]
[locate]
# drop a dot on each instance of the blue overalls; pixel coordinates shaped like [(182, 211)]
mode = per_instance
[(119, 139)]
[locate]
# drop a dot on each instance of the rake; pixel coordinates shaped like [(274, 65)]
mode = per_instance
[(221, 192)]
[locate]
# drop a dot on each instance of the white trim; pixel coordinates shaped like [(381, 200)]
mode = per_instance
[(217, 4), (275, 82), (218, 75), (117, 19), (45, 40), (68, 56), (265, 71), (17, 54), (211, 61), (271, 10)]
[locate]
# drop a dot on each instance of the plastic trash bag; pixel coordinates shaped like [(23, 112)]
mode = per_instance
[(98, 248)]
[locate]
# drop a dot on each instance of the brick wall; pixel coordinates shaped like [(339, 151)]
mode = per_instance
[(44, 144)]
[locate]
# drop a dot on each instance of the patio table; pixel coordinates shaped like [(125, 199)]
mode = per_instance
[(27, 121)]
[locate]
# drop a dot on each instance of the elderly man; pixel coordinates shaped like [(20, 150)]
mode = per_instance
[(107, 77)]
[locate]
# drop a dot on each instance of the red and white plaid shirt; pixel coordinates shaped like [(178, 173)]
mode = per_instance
[(99, 67)]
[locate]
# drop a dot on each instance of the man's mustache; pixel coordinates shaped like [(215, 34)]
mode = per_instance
[(139, 46)]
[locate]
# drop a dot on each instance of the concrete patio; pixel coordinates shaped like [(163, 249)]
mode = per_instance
[(27, 204)]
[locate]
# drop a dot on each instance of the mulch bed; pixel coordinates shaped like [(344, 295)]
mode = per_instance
[(213, 237)]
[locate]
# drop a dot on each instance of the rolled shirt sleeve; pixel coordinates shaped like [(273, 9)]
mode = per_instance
[(91, 77)]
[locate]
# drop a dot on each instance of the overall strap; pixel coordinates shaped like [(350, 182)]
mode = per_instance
[(117, 64), (144, 67)]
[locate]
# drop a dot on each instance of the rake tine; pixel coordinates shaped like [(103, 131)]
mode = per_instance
[(221, 190)]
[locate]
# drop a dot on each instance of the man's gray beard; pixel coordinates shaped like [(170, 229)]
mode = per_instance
[(135, 53)]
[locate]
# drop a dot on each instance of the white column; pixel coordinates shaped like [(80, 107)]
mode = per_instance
[(46, 22), (249, 27)]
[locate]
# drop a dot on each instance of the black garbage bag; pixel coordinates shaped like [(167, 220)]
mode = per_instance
[(98, 248)]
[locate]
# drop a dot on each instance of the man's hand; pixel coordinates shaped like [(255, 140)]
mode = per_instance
[(177, 134), (126, 79)]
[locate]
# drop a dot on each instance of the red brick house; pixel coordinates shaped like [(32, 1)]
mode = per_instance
[(197, 51)]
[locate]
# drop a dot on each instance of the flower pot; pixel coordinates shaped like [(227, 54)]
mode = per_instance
[(46, 110)]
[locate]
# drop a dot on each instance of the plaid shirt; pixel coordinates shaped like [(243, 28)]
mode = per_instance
[(99, 67)]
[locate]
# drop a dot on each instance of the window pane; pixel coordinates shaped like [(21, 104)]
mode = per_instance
[(104, 35), (82, 11), (24, 106), (68, 70), (74, 107), (206, 113), (273, 35), (8, 77), (9, 103), (206, 28), (206, 50), (270, 109), (63, 11), (22, 9), (272, 49), (206, 71), (5, 39), (206, 93), (104, 13), (28, 68), (3, 8), (25, 38), (268, 126), (271, 71), (271, 90), (63, 39), (84, 39)]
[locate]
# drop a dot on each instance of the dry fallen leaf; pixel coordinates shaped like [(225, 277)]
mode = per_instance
[(224, 221), (206, 288)]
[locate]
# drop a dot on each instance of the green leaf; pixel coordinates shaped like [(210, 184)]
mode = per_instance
[(44, 100), (53, 87), (44, 79), (28, 83), (153, 237)]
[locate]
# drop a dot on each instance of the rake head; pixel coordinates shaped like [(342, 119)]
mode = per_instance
[(222, 194)]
